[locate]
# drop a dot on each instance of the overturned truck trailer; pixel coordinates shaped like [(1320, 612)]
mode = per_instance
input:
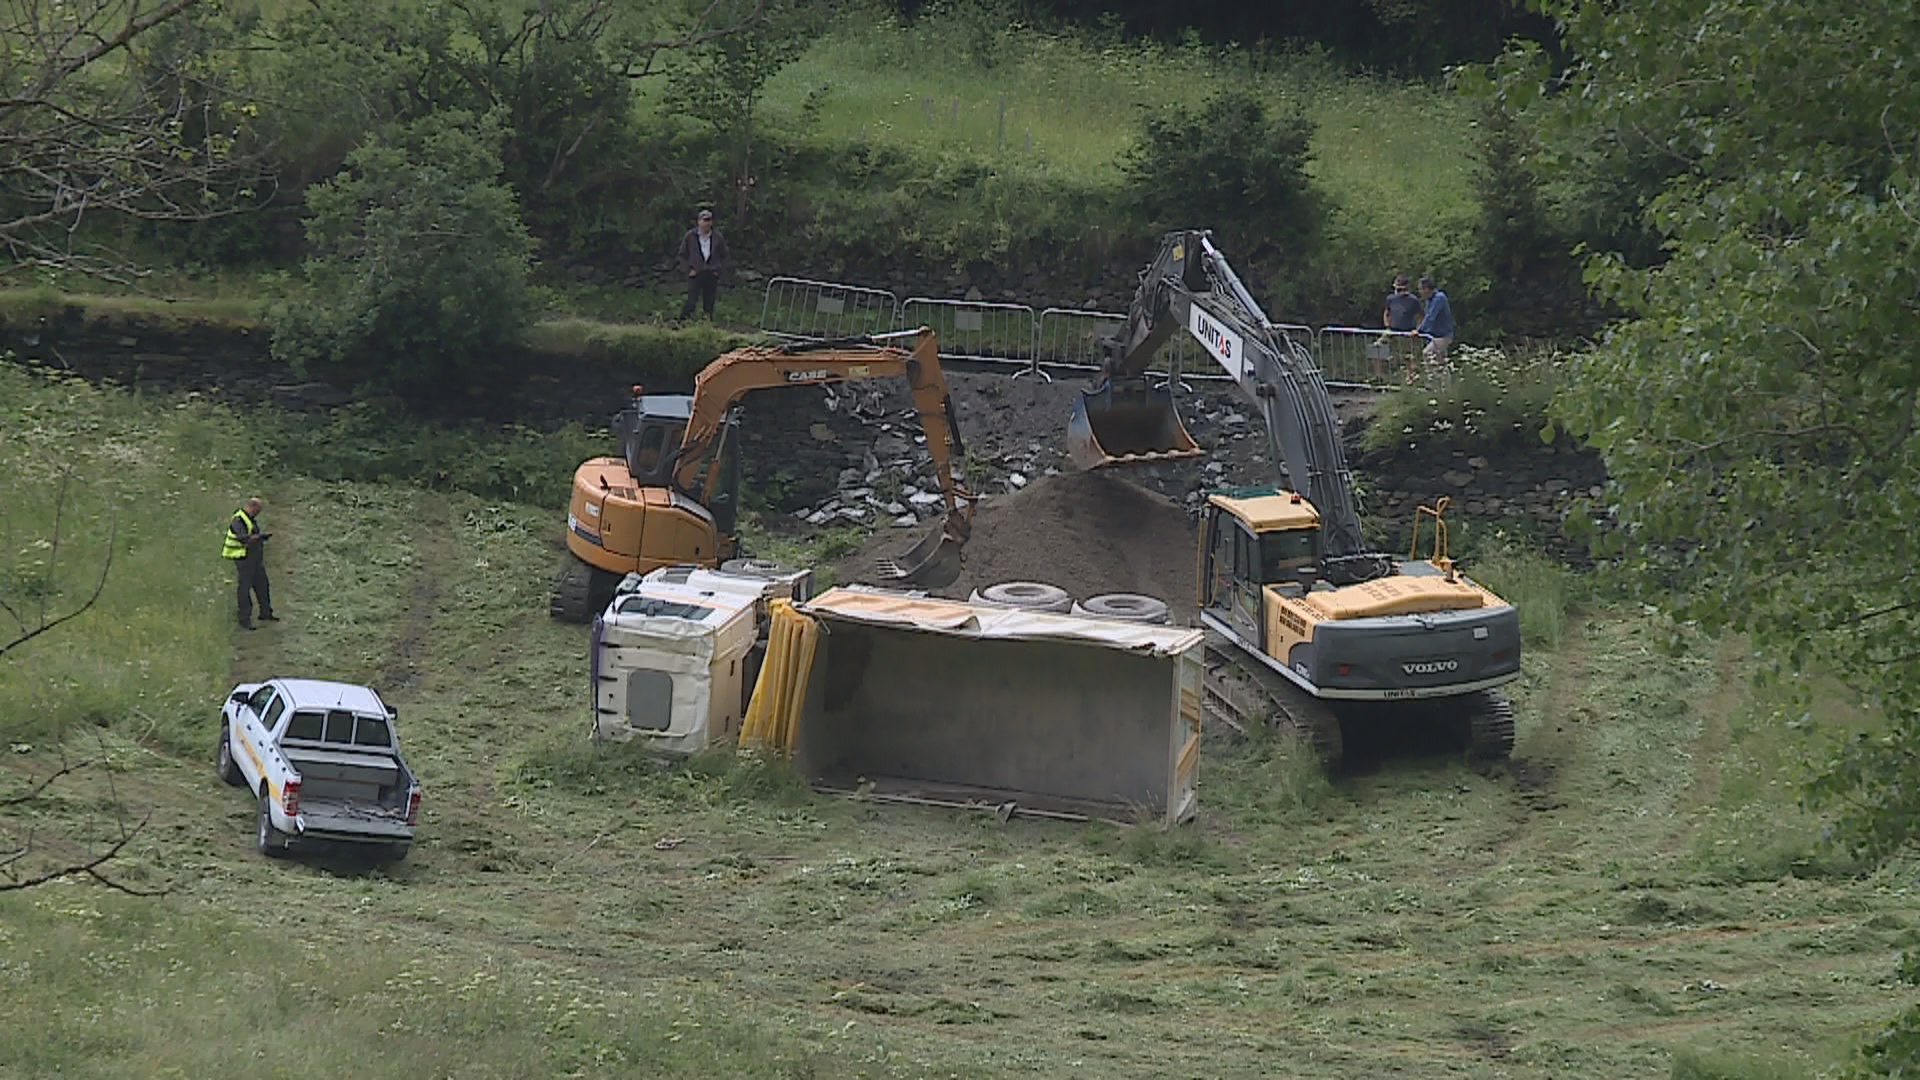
[(906, 698)]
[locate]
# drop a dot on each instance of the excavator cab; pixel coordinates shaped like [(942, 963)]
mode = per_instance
[(650, 430)]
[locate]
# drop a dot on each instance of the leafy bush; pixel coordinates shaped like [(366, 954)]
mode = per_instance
[(1232, 166), (418, 279), (1515, 235), (1480, 396)]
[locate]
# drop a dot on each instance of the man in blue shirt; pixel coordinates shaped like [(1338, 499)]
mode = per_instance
[(1438, 323)]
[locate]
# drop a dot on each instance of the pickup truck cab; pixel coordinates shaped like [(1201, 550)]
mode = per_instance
[(323, 761)]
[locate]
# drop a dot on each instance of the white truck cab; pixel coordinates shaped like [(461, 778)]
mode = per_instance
[(675, 654), (322, 760)]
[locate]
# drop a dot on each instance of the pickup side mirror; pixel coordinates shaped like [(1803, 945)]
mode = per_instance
[(238, 697)]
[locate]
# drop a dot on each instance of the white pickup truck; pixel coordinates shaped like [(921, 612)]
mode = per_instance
[(323, 761)]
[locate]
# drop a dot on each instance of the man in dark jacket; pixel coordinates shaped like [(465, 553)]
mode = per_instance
[(242, 544), (703, 254)]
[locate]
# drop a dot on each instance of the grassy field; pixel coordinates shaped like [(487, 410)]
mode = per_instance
[(1395, 157), (1635, 895)]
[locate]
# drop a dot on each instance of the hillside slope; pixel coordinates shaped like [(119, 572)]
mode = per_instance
[(1634, 886)]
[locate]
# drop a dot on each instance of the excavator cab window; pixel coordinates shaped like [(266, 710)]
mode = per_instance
[(650, 444), (1288, 555)]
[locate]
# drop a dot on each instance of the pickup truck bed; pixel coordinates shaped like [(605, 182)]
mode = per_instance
[(350, 795)]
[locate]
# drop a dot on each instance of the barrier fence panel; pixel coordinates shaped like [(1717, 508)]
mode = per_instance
[(997, 334), (1369, 357), (799, 308), (1071, 338)]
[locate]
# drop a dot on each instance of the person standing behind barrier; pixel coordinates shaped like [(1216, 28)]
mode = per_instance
[(1438, 323), (703, 254), (1400, 314), (1402, 310)]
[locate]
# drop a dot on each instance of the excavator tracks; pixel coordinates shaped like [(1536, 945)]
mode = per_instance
[(1489, 724), (1246, 697)]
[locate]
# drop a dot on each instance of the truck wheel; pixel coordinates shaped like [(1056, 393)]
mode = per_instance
[(1127, 607), (270, 841), (1026, 595), (223, 759)]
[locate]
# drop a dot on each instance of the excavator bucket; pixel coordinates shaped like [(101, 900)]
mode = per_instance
[(1127, 426), (934, 562)]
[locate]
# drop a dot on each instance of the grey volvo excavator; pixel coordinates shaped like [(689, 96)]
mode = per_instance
[(1307, 628)]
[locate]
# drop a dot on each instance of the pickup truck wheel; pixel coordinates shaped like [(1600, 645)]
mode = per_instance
[(271, 841), (223, 759)]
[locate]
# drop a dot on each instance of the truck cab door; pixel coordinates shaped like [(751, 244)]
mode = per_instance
[(249, 734)]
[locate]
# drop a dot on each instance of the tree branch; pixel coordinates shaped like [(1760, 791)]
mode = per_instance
[(134, 28), (88, 867)]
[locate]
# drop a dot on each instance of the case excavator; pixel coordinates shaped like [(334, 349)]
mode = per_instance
[(671, 498), (1307, 628)]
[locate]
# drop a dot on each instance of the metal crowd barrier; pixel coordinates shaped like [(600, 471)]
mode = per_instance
[(1016, 338), (800, 308), (1070, 339), (1359, 356), (998, 335)]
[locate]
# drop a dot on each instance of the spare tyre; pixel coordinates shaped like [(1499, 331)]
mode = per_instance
[(753, 568), (1026, 595), (1127, 607)]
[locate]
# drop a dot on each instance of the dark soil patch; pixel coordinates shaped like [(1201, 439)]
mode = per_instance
[(1087, 533)]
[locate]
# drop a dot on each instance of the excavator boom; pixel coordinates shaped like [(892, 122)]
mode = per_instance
[(935, 560), (1125, 420)]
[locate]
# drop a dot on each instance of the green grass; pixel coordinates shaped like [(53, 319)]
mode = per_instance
[(1395, 159), (1392, 152), (1543, 590), (1587, 911)]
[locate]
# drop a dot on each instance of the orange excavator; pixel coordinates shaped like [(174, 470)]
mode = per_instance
[(672, 496)]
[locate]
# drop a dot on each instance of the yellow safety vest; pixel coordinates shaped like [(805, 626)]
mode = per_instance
[(230, 545)]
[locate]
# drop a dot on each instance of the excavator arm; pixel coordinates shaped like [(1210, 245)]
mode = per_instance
[(935, 560), (1190, 288), (721, 385)]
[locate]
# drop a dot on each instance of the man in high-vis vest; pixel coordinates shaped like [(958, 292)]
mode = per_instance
[(244, 543)]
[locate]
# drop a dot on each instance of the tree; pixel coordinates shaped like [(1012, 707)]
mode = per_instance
[(740, 45), (1756, 409), (417, 283), (1232, 166), (98, 119)]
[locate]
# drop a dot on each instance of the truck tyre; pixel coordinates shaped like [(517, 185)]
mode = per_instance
[(223, 759), (763, 569), (1127, 607), (1026, 595), (270, 841)]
